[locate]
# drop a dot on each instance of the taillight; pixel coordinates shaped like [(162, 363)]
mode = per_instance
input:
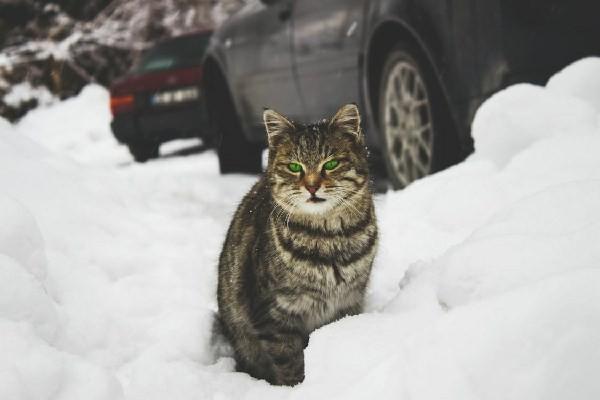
[(121, 104)]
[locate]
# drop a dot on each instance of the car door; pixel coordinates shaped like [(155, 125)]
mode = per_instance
[(260, 63), (326, 47)]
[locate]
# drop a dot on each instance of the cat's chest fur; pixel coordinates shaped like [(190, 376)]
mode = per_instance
[(323, 270), (317, 312)]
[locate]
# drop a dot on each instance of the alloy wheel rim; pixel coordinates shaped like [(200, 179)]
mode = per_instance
[(408, 125)]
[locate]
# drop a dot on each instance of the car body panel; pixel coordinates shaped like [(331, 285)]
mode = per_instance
[(327, 42), (259, 64)]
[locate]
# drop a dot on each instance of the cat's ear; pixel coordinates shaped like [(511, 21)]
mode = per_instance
[(347, 120), (276, 125)]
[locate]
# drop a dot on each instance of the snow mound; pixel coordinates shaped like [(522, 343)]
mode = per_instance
[(580, 80), (499, 264), (20, 238), (106, 278), (523, 114), (485, 285), (78, 127)]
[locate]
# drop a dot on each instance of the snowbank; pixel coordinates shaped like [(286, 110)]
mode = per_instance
[(106, 278), (78, 127), (499, 295), (485, 286)]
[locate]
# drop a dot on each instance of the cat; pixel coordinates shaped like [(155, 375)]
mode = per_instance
[(300, 247)]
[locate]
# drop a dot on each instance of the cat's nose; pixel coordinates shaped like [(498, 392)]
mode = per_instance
[(312, 189)]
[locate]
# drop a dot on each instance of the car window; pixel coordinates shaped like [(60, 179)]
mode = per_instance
[(183, 51)]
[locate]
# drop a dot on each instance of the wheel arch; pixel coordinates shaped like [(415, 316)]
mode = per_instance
[(382, 40)]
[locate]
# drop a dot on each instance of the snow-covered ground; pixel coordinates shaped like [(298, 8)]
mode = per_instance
[(486, 286)]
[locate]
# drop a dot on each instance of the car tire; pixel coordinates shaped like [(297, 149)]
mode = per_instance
[(411, 117), (236, 153), (143, 151)]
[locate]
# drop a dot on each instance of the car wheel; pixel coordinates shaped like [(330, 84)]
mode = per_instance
[(409, 118), (143, 151), (236, 153)]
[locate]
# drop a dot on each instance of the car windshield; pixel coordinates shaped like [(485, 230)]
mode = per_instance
[(179, 52)]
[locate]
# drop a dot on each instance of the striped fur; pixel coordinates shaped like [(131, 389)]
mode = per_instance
[(287, 267)]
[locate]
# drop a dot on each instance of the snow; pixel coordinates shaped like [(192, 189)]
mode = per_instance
[(575, 81), (485, 285), (77, 127), (23, 92)]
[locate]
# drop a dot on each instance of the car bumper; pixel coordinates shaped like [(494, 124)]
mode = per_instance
[(161, 124)]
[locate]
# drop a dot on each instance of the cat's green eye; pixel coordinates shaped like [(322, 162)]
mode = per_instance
[(294, 167), (331, 164)]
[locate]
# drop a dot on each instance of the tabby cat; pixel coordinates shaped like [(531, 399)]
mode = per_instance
[(299, 250)]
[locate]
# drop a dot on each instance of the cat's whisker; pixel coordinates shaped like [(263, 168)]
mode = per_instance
[(292, 204), (349, 206), (287, 222), (281, 210), (286, 213), (338, 200), (352, 206), (276, 207)]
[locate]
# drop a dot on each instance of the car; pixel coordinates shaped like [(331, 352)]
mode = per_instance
[(418, 70), (162, 99)]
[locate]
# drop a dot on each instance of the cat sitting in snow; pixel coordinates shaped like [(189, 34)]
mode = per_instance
[(301, 244)]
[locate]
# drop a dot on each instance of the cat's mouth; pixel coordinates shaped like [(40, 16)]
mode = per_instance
[(315, 199)]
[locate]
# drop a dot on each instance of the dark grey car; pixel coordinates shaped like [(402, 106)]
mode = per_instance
[(418, 69)]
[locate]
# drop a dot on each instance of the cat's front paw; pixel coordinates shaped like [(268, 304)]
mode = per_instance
[(289, 370)]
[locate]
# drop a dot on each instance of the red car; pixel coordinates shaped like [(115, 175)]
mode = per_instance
[(161, 99)]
